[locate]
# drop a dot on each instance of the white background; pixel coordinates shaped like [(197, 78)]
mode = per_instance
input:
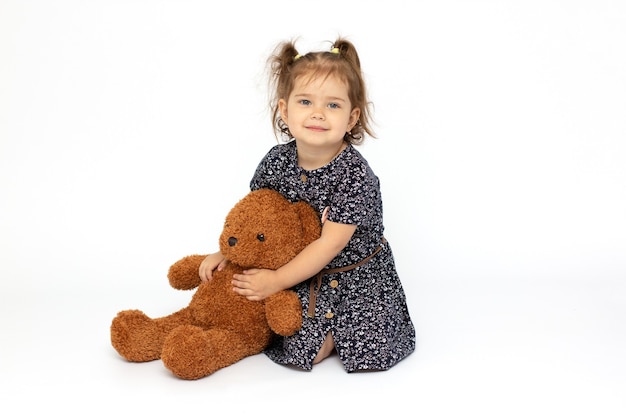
[(129, 128)]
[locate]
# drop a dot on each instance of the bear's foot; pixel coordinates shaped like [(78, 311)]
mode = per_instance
[(193, 353), (136, 336)]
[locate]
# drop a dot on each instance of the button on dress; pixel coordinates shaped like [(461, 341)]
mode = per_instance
[(364, 308)]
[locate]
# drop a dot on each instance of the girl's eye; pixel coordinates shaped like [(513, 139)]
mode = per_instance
[(305, 102), (261, 237), (333, 105)]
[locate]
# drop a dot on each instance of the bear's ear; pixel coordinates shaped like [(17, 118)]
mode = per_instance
[(311, 224)]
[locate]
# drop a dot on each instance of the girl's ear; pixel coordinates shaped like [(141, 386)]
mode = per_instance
[(354, 118), (282, 108)]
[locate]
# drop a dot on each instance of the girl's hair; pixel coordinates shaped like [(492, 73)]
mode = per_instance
[(341, 61)]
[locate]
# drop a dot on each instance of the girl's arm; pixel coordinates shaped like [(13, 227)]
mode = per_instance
[(257, 284)]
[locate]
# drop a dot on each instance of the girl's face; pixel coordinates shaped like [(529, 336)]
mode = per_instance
[(318, 112)]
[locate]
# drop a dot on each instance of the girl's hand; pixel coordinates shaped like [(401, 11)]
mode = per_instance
[(256, 284), (209, 264)]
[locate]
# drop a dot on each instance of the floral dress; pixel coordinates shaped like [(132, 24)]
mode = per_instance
[(364, 307)]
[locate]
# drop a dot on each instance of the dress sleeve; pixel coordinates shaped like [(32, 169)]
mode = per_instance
[(262, 174), (357, 199)]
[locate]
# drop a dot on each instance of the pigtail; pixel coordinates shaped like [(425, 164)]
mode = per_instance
[(284, 56), (280, 82), (347, 51)]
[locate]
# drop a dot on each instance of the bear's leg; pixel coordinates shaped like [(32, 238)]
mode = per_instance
[(138, 338), (191, 352)]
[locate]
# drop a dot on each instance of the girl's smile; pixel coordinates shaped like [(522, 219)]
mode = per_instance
[(316, 128)]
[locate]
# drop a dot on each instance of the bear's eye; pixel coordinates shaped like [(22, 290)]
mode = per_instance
[(261, 237)]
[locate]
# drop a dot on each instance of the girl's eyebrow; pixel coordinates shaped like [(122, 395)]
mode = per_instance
[(331, 98)]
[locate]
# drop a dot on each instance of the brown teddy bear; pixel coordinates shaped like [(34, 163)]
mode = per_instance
[(220, 327)]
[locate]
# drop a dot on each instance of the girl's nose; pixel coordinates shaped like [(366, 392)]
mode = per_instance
[(317, 114)]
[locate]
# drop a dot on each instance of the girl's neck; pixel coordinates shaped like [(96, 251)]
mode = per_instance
[(310, 158)]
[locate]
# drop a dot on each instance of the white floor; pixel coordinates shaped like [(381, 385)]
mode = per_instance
[(128, 129), (540, 349)]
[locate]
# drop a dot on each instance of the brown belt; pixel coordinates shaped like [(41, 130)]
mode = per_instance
[(317, 279)]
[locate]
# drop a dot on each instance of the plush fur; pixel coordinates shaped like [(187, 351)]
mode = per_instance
[(219, 327)]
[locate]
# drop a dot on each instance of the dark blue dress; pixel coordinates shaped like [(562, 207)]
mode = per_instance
[(364, 308)]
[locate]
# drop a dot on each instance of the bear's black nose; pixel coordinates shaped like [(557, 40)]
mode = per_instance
[(232, 241)]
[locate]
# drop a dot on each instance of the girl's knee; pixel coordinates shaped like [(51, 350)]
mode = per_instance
[(326, 350)]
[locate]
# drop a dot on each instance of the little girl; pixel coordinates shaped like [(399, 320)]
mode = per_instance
[(351, 294)]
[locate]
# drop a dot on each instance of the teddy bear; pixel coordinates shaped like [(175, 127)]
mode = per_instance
[(219, 327)]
